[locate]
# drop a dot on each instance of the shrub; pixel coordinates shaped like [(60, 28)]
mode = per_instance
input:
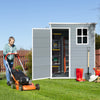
[(19, 67), (29, 64)]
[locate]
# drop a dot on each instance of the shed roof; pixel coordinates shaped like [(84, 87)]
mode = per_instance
[(69, 23)]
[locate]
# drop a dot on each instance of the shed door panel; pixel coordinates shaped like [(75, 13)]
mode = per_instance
[(41, 54)]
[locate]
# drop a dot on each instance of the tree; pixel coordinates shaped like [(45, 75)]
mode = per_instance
[(97, 41)]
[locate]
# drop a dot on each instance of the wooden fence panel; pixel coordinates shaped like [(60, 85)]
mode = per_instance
[(97, 58), (23, 58)]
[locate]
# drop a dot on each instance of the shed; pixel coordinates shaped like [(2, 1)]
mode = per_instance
[(58, 50)]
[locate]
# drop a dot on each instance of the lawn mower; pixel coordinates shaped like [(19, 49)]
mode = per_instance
[(19, 79)]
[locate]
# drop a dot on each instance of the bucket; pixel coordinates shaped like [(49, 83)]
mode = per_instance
[(79, 74)]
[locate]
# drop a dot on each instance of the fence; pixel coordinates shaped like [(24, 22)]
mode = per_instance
[(24, 53), (97, 58), (23, 58)]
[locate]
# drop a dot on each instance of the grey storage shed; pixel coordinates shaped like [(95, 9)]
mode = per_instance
[(58, 50)]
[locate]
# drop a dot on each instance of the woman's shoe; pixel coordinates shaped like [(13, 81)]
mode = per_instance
[(8, 83)]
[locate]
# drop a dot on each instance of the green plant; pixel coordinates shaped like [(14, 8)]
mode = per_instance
[(29, 64), (19, 67), (3, 75)]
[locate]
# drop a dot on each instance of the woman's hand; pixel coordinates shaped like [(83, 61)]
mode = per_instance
[(9, 53), (16, 53)]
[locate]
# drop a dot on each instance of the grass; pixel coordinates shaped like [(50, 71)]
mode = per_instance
[(52, 89), (2, 75)]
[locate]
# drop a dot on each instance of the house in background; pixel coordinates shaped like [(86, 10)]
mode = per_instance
[(58, 50)]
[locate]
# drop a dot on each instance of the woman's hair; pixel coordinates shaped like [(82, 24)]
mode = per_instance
[(11, 37)]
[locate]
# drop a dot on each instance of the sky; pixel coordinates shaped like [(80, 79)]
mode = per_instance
[(18, 17)]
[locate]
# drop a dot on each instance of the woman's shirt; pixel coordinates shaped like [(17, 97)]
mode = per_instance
[(8, 48)]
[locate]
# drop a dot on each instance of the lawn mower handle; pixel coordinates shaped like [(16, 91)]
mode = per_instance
[(12, 54), (18, 58)]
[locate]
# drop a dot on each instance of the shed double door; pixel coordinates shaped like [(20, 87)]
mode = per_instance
[(42, 54)]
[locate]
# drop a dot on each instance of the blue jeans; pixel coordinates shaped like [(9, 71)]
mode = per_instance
[(7, 70)]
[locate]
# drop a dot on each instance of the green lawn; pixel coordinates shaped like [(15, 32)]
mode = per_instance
[(51, 89)]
